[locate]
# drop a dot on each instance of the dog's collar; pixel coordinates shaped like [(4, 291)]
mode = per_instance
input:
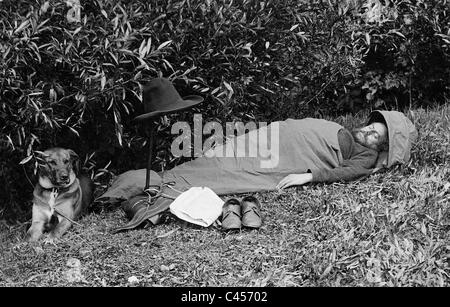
[(58, 190), (51, 189)]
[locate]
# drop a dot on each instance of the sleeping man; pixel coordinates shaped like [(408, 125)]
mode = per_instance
[(309, 150), (359, 150)]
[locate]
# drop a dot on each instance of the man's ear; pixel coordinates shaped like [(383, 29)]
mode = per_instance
[(75, 160), (384, 146)]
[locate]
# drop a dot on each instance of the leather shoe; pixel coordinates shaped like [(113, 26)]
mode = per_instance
[(251, 212), (231, 214)]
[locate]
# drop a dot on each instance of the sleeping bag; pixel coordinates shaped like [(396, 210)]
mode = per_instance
[(282, 148)]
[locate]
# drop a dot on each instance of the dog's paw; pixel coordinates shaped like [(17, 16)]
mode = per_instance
[(31, 238), (21, 245), (50, 240)]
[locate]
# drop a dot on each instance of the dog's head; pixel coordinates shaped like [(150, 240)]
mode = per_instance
[(58, 167)]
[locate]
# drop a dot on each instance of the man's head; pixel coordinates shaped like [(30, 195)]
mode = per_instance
[(401, 134), (374, 136)]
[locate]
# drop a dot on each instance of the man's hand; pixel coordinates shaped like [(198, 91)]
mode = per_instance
[(294, 179)]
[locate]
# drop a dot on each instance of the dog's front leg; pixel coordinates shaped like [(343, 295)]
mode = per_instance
[(35, 231), (65, 213), (60, 229), (39, 219)]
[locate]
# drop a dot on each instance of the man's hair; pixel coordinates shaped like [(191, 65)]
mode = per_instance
[(384, 146)]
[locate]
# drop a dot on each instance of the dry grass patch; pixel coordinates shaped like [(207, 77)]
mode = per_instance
[(391, 229)]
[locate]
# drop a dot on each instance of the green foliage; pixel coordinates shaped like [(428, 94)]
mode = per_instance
[(407, 58), (78, 83)]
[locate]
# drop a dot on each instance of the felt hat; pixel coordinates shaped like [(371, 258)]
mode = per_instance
[(160, 97)]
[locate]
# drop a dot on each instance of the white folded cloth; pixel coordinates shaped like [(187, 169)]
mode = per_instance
[(198, 205)]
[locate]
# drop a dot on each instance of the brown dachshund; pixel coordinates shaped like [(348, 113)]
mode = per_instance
[(60, 192)]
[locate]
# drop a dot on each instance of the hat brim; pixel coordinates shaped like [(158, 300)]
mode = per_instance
[(182, 104)]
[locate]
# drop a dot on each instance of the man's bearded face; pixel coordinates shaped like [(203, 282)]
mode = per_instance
[(371, 136)]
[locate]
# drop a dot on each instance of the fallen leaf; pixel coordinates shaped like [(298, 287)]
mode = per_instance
[(164, 268), (168, 233), (133, 280), (73, 274)]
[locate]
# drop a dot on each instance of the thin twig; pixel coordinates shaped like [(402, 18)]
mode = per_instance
[(26, 175), (67, 218), (322, 89)]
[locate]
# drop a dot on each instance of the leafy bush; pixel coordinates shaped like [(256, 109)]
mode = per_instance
[(77, 83), (406, 58)]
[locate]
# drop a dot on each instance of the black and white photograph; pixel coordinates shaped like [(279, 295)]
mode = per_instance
[(226, 151)]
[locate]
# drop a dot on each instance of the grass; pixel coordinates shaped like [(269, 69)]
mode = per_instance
[(391, 229)]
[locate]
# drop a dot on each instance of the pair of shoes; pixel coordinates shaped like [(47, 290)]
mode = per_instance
[(236, 214)]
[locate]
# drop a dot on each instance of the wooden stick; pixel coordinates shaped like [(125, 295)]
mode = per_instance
[(67, 218), (150, 153)]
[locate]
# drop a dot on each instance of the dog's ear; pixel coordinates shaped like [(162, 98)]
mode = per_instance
[(75, 159), (41, 156), (41, 159)]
